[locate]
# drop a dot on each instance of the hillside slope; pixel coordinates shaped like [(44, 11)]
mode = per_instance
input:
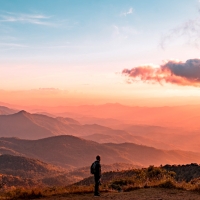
[(73, 152), (36, 126), (24, 171)]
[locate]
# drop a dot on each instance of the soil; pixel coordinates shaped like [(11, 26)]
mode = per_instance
[(141, 194)]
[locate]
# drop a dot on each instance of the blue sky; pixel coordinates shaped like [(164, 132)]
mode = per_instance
[(67, 44), (81, 28)]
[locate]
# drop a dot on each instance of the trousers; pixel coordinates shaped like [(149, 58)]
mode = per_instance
[(96, 185)]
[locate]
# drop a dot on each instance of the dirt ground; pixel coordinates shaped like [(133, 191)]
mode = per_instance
[(141, 194)]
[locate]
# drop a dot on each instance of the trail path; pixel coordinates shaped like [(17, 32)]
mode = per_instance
[(142, 194)]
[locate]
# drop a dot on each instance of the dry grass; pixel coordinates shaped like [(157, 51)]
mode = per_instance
[(137, 186), (141, 194)]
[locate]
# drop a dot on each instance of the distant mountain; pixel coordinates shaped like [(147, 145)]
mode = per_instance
[(108, 122), (67, 120), (73, 152), (168, 116), (149, 130), (166, 138), (113, 114), (22, 125), (66, 151), (120, 138), (7, 111), (45, 113), (35, 126)]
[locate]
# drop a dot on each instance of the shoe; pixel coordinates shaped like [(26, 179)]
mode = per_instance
[(97, 195)]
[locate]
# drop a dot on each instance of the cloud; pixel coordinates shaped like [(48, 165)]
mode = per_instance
[(26, 18), (189, 30), (123, 32), (12, 45), (47, 91), (129, 12), (174, 72)]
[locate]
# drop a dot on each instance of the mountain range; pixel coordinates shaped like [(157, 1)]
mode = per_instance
[(114, 114), (7, 111), (55, 149), (27, 127), (36, 126), (72, 152), (186, 116)]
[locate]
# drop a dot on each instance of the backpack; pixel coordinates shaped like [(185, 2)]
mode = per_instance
[(93, 168)]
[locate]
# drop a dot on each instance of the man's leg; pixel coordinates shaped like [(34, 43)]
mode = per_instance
[(96, 187)]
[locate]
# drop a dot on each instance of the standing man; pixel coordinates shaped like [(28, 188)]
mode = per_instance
[(97, 175)]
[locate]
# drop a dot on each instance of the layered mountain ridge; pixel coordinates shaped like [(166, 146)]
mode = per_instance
[(73, 152)]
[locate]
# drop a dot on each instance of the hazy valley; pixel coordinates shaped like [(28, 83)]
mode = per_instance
[(46, 149), (182, 135)]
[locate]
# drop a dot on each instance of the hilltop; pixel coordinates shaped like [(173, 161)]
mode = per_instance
[(34, 126), (185, 172), (146, 183)]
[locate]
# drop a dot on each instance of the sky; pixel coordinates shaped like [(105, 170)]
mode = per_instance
[(78, 52)]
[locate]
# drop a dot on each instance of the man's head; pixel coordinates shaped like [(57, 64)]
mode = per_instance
[(98, 158)]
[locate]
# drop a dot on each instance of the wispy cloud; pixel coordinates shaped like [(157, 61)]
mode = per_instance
[(37, 19), (12, 45), (174, 72), (189, 31), (47, 90), (123, 32), (129, 12)]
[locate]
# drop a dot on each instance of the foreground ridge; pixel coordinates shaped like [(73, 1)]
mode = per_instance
[(127, 184)]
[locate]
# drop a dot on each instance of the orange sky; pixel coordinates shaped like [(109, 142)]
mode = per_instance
[(55, 97), (70, 56)]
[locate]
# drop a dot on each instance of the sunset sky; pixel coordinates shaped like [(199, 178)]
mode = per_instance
[(77, 52)]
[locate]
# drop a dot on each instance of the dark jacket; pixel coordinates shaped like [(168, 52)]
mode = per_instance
[(97, 169)]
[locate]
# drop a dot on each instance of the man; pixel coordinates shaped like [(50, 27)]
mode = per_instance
[(97, 175)]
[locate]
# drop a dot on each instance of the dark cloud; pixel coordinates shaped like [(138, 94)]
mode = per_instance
[(180, 73)]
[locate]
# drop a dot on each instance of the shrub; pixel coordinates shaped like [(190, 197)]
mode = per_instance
[(154, 172), (124, 181), (130, 188), (167, 184), (115, 187)]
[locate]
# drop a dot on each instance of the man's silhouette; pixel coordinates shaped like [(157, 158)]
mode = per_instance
[(97, 176)]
